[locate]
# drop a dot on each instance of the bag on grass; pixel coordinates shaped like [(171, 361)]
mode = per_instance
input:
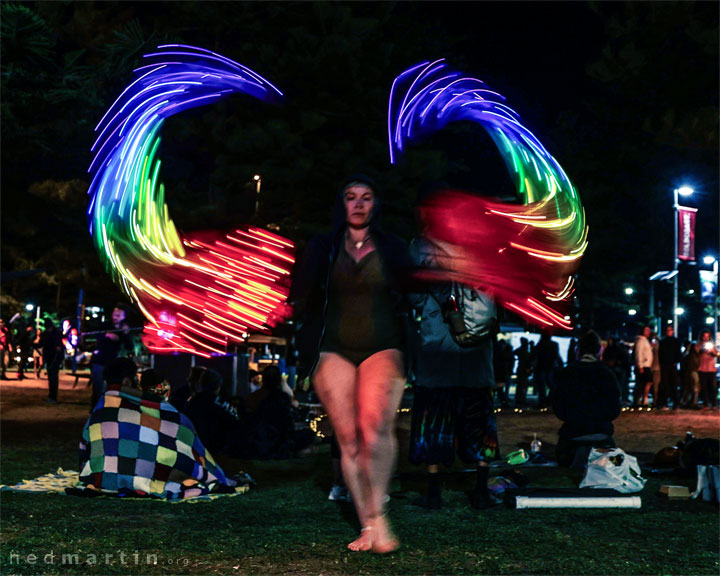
[(708, 483), (613, 469)]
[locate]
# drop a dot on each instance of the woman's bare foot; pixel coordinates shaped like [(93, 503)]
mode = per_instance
[(364, 542), (383, 541)]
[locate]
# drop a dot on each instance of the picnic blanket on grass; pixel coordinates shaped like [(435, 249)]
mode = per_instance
[(66, 481), (136, 444)]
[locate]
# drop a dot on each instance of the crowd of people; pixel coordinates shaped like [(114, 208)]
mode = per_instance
[(676, 375)]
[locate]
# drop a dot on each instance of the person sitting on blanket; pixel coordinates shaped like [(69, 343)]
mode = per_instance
[(587, 398), (136, 444)]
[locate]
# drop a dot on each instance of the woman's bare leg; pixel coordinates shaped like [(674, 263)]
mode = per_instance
[(334, 381), (379, 389)]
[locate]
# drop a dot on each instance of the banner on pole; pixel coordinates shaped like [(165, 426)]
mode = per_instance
[(686, 235), (708, 286)]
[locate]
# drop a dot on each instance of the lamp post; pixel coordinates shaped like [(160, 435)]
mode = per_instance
[(682, 191), (258, 182)]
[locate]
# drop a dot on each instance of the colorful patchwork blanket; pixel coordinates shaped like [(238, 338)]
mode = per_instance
[(135, 444)]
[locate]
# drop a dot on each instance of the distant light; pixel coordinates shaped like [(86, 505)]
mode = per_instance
[(709, 320), (256, 177), (629, 291), (632, 312), (669, 321), (685, 190), (679, 311), (709, 259), (29, 307), (691, 292)]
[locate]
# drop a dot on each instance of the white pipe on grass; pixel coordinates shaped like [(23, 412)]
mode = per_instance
[(578, 502)]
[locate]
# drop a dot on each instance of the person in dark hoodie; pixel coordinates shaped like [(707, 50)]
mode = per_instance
[(215, 422), (587, 400), (351, 317)]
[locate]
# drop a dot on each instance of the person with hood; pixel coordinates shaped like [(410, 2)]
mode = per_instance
[(351, 318), (587, 399)]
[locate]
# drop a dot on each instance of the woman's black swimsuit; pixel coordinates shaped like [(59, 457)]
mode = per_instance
[(361, 319)]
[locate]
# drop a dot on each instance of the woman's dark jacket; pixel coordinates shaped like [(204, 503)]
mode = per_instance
[(311, 277), (309, 292)]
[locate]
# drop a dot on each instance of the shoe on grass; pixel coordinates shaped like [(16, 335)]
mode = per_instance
[(339, 494)]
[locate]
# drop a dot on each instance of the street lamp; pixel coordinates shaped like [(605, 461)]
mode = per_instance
[(258, 182), (629, 291), (682, 191)]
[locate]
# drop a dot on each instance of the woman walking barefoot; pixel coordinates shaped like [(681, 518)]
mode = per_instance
[(351, 336)]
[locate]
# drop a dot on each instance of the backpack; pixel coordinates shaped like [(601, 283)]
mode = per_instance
[(471, 315)]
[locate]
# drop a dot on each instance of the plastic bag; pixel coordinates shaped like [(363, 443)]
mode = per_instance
[(614, 469), (708, 483)]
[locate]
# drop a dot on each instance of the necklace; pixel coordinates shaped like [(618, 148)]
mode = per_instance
[(359, 244)]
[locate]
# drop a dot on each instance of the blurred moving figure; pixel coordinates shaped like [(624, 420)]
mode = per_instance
[(453, 402)]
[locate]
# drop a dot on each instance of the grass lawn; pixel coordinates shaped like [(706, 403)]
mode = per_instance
[(286, 525)]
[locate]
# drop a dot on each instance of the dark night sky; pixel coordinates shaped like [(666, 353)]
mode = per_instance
[(625, 95)]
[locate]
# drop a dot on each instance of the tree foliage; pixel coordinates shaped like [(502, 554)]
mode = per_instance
[(626, 100)]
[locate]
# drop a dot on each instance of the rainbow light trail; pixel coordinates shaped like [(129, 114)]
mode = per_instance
[(525, 254), (198, 291)]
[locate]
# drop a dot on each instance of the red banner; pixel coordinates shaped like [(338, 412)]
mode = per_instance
[(686, 233)]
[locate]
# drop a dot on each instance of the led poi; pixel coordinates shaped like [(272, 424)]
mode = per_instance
[(525, 254), (201, 290)]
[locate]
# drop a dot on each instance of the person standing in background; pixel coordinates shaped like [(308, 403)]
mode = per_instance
[(108, 348), (655, 346), (53, 354), (523, 371), (5, 346), (643, 359), (707, 371), (670, 356), (546, 359), (615, 357)]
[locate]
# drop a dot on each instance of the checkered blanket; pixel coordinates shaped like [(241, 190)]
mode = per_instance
[(135, 444)]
